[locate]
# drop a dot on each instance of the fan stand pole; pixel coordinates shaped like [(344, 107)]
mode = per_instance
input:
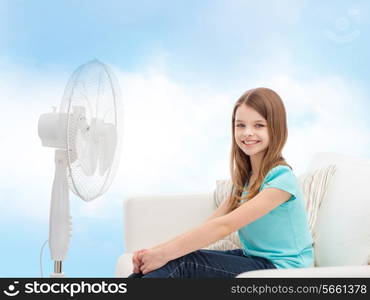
[(57, 269), (60, 220)]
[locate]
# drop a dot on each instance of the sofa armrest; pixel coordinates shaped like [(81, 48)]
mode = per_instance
[(338, 271), (150, 220), (124, 265)]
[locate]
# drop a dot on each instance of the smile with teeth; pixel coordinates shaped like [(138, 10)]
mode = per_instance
[(250, 142)]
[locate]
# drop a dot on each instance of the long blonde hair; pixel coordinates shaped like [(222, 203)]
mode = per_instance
[(269, 105)]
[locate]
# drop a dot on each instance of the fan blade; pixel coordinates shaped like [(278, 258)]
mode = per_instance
[(88, 148), (107, 147), (77, 122)]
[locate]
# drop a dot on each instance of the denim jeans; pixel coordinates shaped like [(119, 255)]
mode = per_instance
[(209, 263)]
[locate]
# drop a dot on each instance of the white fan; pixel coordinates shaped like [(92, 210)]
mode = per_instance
[(87, 134)]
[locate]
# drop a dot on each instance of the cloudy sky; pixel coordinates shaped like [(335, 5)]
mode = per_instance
[(181, 67)]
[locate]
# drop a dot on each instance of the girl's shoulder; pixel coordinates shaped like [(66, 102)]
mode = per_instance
[(282, 177), (279, 169), (280, 172)]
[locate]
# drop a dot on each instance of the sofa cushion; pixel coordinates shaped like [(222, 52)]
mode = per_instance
[(322, 272), (232, 241), (314, 187), (343, 222)]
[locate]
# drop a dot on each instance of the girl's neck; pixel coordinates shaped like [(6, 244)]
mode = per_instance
[(256, 162), (255, 168)]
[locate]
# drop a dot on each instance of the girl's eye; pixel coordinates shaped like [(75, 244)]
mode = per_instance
[(258, 125)]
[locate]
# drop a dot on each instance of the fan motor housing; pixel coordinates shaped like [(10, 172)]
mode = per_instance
[(52, 129)]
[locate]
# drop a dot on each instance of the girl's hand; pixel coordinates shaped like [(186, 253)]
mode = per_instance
[(151, 259), (136, 261)]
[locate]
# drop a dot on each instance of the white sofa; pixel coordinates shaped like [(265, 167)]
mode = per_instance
[(342, 239)]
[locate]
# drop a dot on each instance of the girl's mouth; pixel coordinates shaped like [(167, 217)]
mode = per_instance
[(250, 144)]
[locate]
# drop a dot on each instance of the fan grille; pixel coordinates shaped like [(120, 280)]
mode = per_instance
[(93, 87)]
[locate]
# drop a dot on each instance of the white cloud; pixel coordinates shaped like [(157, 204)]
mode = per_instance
[(338, 125)]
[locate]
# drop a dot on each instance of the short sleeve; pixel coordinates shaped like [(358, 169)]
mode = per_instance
[(281, 177)]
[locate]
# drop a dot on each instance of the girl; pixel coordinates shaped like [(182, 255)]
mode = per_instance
[(265, 207)]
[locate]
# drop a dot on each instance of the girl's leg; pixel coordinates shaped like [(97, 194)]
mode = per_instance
[(209, 263), (135, 275)]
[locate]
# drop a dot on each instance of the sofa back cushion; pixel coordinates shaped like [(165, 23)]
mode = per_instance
[(231, 241), (314, 186), (343, 221)]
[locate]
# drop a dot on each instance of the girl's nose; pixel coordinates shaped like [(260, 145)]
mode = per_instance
[(248, 131)]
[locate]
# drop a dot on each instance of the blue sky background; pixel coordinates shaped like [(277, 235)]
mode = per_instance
[(181, 65)]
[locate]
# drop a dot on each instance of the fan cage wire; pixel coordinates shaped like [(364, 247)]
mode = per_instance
[(74, 182)]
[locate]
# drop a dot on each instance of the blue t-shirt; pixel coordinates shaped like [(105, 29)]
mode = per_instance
[(282, 235)]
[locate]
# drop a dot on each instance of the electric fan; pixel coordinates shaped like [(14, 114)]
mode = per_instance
[(87, 134)]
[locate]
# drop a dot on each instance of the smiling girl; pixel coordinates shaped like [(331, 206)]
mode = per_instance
[(266, 206)]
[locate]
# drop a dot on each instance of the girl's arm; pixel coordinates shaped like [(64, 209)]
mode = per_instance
[(220, 211), (221, 226)]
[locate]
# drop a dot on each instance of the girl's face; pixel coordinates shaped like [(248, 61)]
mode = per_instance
[(251, 132)]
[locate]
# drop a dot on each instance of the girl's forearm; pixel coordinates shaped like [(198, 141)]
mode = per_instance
[(203, 235)]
